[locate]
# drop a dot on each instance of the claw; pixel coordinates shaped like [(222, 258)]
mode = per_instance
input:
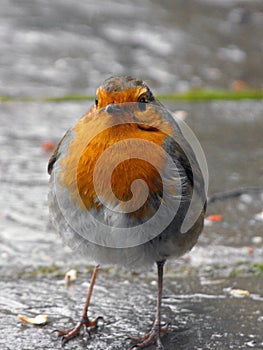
[(133, 347), (99, 320), (70, 333), (85, 323), (153, 336), (159, 344), (55, 336), (63, 341)]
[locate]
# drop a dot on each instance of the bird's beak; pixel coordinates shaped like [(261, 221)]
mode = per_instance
[(113, 108)]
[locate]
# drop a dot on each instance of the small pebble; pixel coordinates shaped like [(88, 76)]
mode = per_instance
[(257, 239), (70, 276), (239, 292), (214, 217), (179, 115), (259, 216), (38, 320), (246, 198), (48, 146), (250, 250)]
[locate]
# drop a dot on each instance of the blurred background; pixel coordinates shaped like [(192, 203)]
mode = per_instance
[(63, 46)]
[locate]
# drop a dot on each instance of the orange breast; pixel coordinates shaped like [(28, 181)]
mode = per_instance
[(108, 153)]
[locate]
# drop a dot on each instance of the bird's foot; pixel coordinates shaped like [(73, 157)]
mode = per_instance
[(70, 333), (154, 336)]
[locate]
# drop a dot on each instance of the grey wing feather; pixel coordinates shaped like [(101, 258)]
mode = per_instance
[(56, 154)]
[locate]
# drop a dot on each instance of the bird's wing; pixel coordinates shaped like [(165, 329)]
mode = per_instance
[(56, 153)]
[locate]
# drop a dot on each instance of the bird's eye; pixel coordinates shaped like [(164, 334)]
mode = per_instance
[(96, 101), (142, 100)]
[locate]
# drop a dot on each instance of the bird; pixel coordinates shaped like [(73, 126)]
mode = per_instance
[(121, 189)]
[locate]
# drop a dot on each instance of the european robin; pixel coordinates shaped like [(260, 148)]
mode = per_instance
[(127, 188)]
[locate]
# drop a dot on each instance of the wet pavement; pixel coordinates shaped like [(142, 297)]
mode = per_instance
[(56, 48), (201, 313)]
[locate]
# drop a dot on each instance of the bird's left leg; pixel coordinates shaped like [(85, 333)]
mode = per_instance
[(70, 333)]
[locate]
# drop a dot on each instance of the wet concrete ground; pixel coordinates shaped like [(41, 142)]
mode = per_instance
[(197, 291), (201, 312)]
